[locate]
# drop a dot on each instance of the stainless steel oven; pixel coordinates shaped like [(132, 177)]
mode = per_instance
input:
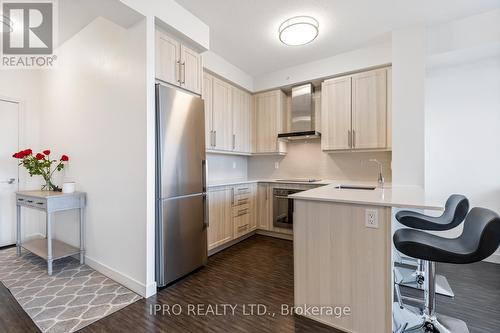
[(283, 207)]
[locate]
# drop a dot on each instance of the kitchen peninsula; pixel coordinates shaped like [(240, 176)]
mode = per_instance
[(342, 251)]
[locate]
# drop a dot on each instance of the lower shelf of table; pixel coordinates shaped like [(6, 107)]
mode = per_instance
[(60, 249)]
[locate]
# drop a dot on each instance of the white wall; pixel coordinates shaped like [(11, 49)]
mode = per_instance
[(462, 126), (374, 55), (95, 111), (463, 110), (308, 160), (217, 64), (408, 96)]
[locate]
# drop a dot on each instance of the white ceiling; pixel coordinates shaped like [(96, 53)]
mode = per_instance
[(245, 31)]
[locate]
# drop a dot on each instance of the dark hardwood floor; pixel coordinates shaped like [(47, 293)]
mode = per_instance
[(259, 270)]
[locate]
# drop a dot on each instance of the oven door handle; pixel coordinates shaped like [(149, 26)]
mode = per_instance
[(281, 197)]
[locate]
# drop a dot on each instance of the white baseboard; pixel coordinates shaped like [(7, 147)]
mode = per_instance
[(274, 234), (127, 281), (494, 258)]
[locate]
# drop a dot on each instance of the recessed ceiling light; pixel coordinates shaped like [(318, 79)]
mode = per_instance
[(298, 30)]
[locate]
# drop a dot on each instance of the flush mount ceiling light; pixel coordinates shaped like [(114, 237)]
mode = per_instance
[(298, 30)]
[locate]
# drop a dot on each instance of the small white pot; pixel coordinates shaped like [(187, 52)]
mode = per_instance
[(68, 187)]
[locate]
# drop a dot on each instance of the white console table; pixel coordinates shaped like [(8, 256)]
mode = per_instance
[(50, 202)]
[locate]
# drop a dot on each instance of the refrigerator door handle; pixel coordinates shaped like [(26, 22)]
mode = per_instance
[(206, 220), (204, 175)]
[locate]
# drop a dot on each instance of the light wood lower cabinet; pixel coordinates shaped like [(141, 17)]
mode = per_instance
[(220, 229), (339, 261), (263, 207), (232, 213)]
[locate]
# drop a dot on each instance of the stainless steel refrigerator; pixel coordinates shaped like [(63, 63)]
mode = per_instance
[(181, 199)]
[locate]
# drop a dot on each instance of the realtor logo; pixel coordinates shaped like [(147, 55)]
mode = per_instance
[(28, 33)]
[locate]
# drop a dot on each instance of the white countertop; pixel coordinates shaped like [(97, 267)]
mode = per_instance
[(264, 180), (389, 196)]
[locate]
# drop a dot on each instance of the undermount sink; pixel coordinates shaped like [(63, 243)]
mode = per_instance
[(355, 187)]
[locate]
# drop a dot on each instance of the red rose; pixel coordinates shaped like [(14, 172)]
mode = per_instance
[(17, 155), (46, 152), (27, 152), (39, 156), (64, 158)]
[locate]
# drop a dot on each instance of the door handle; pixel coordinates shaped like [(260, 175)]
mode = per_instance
[(349, 137), (204, 175), (178, 71), (183, 64), (215, 138), (8, 181), (206, 220), (234, 141), (354, 138)]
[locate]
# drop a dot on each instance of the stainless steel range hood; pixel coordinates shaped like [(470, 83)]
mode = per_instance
[(303, 116)]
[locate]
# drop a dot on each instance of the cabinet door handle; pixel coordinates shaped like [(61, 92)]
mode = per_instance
[(215, 138), (349, 143), (353, 138), (232, 195), (178, 71), (183, 64), (234, 141)]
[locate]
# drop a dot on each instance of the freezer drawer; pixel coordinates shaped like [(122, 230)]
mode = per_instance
[(181, 245)]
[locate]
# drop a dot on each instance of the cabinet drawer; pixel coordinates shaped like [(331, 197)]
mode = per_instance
[(241, 210), (241, 225), (31, 202), (241, 200), (242, 190)]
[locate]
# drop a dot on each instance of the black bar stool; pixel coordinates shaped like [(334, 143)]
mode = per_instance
[(479, 239), (456, 208)]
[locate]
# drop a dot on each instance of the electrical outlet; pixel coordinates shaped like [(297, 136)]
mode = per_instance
[(234, 165), (371, 218), (276, 165)]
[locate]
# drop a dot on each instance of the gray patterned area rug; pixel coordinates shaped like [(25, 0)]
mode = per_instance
[(73, 297)]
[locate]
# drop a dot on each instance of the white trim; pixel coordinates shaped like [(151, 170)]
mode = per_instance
[(494, 258), (127, 281)]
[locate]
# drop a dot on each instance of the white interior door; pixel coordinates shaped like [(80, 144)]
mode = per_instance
[(9, 139)]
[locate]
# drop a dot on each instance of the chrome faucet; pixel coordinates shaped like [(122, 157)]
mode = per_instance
[(381, 180)]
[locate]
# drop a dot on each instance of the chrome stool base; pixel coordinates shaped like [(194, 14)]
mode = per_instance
[(409, 280), (410, 319)]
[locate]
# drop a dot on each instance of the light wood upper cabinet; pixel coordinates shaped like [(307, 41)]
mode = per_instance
[(389, 108), (336, 114), (191, 69), (222, 122), (369, 110), (207, 97), (227, 116), (354, 112), (241, 121), (168, 52), (220, 229), (177, 64), (269, 117)]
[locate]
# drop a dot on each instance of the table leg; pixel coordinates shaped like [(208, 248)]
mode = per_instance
[(18, 229), (49, 244), (82, 236)]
